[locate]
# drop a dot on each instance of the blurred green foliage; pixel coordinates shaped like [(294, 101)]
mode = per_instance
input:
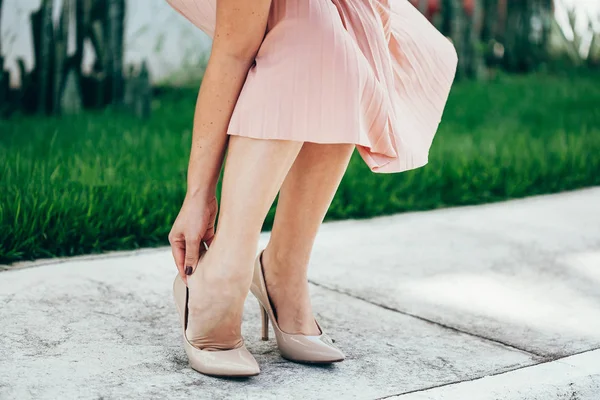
[(104, 181)]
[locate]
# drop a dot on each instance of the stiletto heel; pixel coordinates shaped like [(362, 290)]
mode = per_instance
[(236, 362), (264, 318), (300, 348)]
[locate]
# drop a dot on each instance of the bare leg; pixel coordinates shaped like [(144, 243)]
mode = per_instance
[(305, 197), (254, 172)]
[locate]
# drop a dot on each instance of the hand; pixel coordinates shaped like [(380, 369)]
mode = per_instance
[(194, 225)]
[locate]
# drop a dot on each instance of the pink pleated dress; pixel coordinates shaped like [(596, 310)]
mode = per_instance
[(374, 73)]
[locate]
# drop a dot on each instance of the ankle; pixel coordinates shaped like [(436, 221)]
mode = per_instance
[(224, 265), (229, 283), (284, 266)]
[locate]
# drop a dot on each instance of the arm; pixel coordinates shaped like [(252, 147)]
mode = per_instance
[(240, 29)]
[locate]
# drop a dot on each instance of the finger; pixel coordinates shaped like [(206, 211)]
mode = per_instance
[(178, 251), (209, 236), (192, 251), (179, 256)]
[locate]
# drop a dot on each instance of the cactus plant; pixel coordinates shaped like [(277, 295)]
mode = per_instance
[(3, 76), (143, 93), (57, 84), (43, 31), (61, 42), (83, 12), (115, 32)]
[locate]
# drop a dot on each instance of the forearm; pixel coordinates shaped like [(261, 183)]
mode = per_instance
[(223, 80), (240, 29)]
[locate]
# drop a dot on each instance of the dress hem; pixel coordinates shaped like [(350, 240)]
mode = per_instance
[(405, 161)]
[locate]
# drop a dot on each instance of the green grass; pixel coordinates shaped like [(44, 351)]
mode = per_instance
[(105, 181)]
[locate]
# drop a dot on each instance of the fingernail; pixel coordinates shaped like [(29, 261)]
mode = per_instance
[(188, 270)]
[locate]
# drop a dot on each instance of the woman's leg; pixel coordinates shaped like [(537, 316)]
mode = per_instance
[(254, 172), (303, 201)]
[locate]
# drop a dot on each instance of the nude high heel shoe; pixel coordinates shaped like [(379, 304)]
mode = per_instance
[(237, 362), (294, 347)]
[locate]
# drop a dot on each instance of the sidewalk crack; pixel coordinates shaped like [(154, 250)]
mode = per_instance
[(430, 321), (485, 376)]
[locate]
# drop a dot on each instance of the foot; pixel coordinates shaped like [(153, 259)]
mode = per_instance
[(287, 286), (217, 293)]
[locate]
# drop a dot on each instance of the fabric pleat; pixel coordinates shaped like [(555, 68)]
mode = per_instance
[(374, 73)]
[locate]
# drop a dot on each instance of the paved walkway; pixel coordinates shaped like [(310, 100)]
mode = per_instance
[(490, 302)]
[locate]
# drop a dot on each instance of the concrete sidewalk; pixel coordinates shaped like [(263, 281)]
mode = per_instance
[(490, 302)]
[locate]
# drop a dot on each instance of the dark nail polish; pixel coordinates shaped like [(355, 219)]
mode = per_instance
[(188, 270)]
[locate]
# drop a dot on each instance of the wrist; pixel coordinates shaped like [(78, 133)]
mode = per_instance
[(201, 181), (204, 192), (203, 175)]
